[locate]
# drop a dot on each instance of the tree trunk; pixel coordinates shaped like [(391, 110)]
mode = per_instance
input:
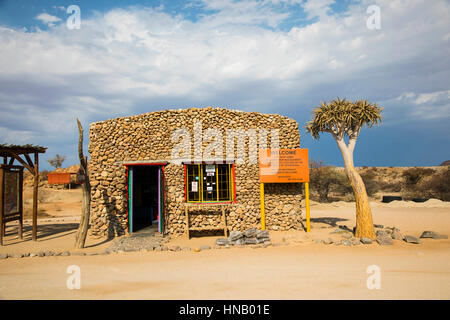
[(364, 222), (80, 238)]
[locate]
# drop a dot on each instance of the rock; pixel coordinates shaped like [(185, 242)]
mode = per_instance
[(355, 242), (186, 249), (222, 241), (3, 256), (250, 233), (396, 235), (205, 248), (380, 233), (26, 254), (260, 234), (366, 240), (347, 235), (197, 250), (328, 241), (251, 241), (41, 254), (346, 242), (49, 253), (238, 242), (174, 248), (65, 253), (338, 231), (412, 239), (235, 235), (33, 254), (380, 226), (433, 235), (318, 241), (79, 253), (384, 240)]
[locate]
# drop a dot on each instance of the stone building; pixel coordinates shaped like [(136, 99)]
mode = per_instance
[(145, 168)]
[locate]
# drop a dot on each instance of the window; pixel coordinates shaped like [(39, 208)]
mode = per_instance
[(209, 182)]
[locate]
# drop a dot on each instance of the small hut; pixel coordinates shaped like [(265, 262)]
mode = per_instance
[(11, 184)]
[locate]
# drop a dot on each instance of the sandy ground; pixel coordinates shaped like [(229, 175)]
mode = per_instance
[(296, 268)]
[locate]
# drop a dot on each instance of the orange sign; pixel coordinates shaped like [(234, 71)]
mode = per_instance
[(58, 178), (283, 165)]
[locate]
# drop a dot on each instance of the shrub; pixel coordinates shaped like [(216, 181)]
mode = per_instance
[(412, 176), (323, 178), (438, 186)]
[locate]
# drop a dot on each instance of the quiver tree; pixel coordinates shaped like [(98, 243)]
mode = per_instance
[(343, 119), (80, 238)]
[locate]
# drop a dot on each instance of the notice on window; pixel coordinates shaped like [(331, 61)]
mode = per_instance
[(210, 168), (209, 188), (210, 174), (194, 186)]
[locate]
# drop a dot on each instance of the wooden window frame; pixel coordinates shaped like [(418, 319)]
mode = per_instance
[(232, 184)]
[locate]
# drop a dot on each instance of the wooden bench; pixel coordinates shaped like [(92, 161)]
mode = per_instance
[(223, 226)]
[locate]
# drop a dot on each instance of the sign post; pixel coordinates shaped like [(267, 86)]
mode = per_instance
[(284, 166), (263, 209)]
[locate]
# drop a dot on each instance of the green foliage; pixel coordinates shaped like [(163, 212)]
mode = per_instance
[(57, 161), (343, 117)]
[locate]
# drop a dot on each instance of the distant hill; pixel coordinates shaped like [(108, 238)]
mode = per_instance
[(445, 163)]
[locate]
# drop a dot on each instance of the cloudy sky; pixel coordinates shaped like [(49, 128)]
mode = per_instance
[(272, 56)]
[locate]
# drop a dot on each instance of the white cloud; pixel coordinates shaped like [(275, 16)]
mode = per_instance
[(48, 19), (134, 60)]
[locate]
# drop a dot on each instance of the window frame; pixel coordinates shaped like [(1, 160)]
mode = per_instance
[(232, 183)]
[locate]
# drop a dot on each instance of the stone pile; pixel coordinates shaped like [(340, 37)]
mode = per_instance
[(384, 236), (251, 236)]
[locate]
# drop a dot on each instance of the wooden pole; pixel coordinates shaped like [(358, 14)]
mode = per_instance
[(2, 207), (21, 204), (308, 223), (35, 195), (263, 211)]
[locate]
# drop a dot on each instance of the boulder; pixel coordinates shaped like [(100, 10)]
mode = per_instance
[(384, 240), (235, 235), (222, 241), (396, 235), (346, 242), (381, 233), (250, 233), (262, 234), (433, 235), (412, 239)]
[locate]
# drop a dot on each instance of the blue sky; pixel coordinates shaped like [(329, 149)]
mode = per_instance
[(273, 56)]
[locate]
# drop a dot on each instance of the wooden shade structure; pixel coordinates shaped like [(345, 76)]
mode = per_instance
[(21, 154)]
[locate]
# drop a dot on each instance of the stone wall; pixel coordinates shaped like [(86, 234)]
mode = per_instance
[(148, 137)]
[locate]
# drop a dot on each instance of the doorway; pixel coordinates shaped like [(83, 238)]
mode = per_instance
[(145, 198)]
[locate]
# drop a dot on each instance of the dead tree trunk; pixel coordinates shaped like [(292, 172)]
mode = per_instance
[(80, 238)]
